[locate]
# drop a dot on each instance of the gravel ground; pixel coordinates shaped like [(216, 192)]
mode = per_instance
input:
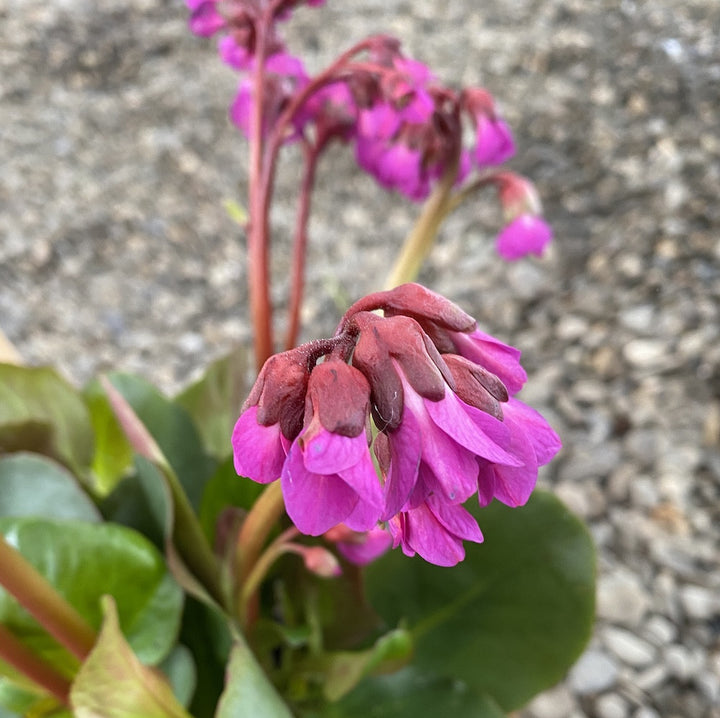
[(116, 251)]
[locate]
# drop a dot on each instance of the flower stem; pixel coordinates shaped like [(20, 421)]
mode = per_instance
[(422, 237), (258, 572), (35, 593), (257, 525), (300, 246), (33, 667), (258, 230)]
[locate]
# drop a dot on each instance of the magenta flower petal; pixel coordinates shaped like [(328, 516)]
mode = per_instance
[(527, 234), (405, 452), (419, 531), (494, 142), (314, 502), (461, 422), (544, 440), (205, 20), (234, 55), (491, 354), (328, 453), (242, 106), (456, 520), (363, 517), (365, 547), (258, 451)]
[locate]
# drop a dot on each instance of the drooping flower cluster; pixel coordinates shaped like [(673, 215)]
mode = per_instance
[(397, 420), (406, 128)]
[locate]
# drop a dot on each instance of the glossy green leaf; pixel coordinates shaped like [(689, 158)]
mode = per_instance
[(42, 413), (248, 692), (409, 694), (84, 561), (113, 454), (173, 429), (509, 620), (33, 485), (113, 683), (215, 400)]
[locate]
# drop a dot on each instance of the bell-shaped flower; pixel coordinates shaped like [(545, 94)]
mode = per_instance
[(329, 477)]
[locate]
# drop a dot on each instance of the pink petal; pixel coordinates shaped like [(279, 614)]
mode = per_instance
[(541, 435), (456, 520), (454, 417), (205, 19), (424, 534), (527, 234), (367, 547), (494, 142), (257, 450), (405, 452), (314, 502), (328, 453)]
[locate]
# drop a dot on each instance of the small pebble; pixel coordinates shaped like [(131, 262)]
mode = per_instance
[(629, 648), (593, 673), (611, 705)]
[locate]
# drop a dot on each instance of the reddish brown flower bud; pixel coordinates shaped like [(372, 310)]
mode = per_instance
[(477, 386), (339, 395), (414, 300), (279, 392)]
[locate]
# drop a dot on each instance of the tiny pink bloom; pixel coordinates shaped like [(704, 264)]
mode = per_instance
[(436, 531), (317, 560), (494, 141), (358, 547), (527, 234), (205, 19), (232, 54)]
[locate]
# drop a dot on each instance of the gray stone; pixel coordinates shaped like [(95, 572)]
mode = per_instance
[(593, 673), (628, 648), (699, 603), (622, 598), (612, 705)]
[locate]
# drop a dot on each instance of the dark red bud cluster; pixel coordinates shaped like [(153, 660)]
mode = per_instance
[(362, 369)]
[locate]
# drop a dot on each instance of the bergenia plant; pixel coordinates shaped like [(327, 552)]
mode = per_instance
[(357, 531)]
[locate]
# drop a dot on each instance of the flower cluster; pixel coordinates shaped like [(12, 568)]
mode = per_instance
[(397, 420), (406, 128)]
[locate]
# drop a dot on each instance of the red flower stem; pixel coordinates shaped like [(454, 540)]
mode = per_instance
[(258, 234), (35, 593), (33, 667), (312, 152)]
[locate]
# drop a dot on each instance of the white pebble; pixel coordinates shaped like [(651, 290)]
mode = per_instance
[(611, 705), (594, 672), (699, 603), (622, 598), (629, 648)]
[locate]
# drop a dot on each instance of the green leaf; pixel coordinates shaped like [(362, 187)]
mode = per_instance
[(173, 429), (113, 454), (345, 669), (84, 561), (179, 667), (226, 489), (113, 683), (33, 485), (509, 620), (215, 400), (42, 413), (409, 694), (248, 691)]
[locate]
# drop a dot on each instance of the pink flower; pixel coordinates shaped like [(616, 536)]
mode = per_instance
[(494, 142), (440, 394), (360, 547), (435, 530), (526, 234)]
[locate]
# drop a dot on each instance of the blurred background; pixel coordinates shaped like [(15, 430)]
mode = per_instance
[(117, 250)]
